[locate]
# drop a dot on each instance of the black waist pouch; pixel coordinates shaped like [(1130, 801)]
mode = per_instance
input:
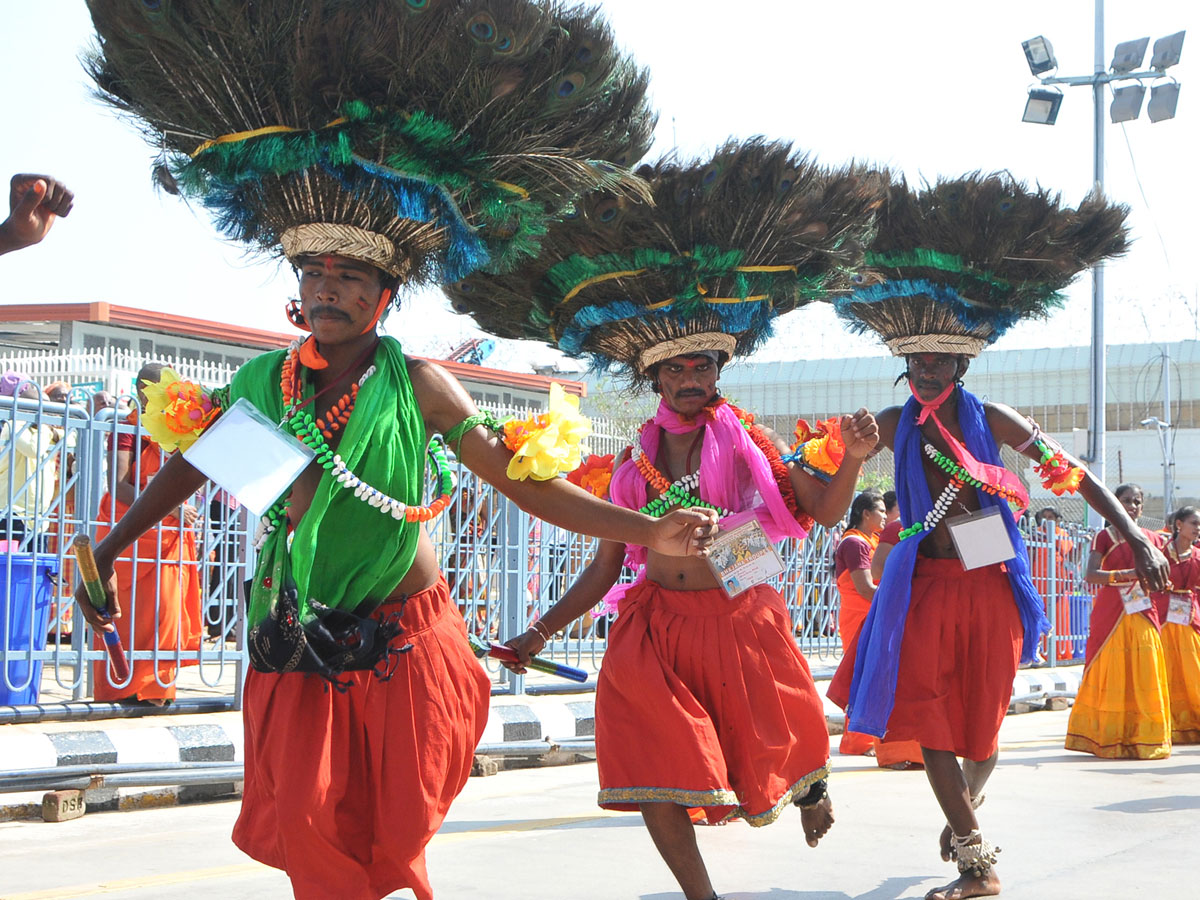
[(334, 642)]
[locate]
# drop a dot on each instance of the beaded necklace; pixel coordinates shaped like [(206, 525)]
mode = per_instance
[(958, 479), (309, 431), (670, 494)]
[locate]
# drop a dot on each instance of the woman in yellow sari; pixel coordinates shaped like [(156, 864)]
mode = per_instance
[(1180, 617), (1122, 710)]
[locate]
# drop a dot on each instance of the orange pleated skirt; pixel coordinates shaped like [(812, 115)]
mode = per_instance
[(1122, 710), (888, 754), (344, 790), (961, 647), (1181, 652), (705, 701)]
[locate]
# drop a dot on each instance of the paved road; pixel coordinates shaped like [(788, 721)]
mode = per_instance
[(1072, 827)]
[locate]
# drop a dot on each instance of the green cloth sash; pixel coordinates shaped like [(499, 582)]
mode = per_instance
[(364, 554)]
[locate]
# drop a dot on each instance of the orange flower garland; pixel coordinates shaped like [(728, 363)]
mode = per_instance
[(594, 475)]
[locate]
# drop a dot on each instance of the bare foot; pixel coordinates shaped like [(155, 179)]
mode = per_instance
[(968, 885), (946, 847), (817, 821)]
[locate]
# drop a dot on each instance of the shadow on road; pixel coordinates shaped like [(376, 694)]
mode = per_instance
[(1154, 804), (890, 889)]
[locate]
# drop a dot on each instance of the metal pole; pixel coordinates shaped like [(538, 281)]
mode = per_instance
[(1164, 432), (1096, 444)]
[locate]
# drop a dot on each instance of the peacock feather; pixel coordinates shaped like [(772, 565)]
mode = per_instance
[(728, 244), (972, 256), (454, 128)]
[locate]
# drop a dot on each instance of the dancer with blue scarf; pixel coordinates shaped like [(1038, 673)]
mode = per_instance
[(952, 268)]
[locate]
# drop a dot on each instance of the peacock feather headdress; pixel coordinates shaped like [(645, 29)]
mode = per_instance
[(955, 265), (430, 138), (729, 243)]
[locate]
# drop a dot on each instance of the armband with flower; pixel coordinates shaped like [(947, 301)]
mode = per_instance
[(547, 444), (818, 449), (1057, 474), (177, 411), (594, 475)]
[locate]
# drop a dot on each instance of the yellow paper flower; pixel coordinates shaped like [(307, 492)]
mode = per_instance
[(177, 411), (547, 444)]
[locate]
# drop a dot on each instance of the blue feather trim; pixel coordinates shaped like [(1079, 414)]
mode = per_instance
[(412, 197), (972, 316), (751, 321)]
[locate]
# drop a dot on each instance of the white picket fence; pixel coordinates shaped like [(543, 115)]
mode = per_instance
[(111, 369)]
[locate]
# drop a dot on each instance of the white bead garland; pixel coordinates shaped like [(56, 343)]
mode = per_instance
[(347, 479)]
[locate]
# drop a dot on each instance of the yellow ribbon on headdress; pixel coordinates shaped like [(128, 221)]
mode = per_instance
[(239, 136)]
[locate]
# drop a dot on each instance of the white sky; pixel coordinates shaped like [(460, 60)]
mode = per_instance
[(928, 87)]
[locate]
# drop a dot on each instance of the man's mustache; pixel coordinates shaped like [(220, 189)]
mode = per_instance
[(330, 311)]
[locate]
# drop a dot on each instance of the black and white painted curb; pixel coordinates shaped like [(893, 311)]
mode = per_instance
[(217, 737)]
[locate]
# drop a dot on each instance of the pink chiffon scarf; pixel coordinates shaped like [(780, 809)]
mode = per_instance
[(727, 457)]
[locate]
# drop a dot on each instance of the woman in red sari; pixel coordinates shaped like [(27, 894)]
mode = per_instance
[(167, 571), (1180, 617), (1122, 710), (856, 582)]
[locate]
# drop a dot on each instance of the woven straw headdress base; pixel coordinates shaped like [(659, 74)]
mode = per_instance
[(690, 343), (343, 240), (956, 344)]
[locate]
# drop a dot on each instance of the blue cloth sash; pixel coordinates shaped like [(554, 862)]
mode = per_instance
[(873, 689)]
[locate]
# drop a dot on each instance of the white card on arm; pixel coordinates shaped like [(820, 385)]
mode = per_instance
[(250, 456), (981, 538)]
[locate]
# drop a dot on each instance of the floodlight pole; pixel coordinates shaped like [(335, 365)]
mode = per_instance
[(1097, 444), (1164, 433), (1097, 400)]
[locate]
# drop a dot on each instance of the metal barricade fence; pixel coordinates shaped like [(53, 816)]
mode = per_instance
[(1058, 563), (59, 468)]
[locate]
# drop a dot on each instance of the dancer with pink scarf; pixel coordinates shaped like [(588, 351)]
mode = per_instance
[(705, 709)]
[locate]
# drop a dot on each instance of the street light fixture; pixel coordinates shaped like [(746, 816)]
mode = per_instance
[(1043, 110), (1042, 107), (1129, 55), (1168, 463), (1167, 51), (1163, 100), (1126, 103), (1040, 55)]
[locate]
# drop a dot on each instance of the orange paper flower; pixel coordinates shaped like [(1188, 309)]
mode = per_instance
[(821, 447), (594, 475)]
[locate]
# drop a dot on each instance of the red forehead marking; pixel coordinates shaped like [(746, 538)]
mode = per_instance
[(697, 361), (328, 260)]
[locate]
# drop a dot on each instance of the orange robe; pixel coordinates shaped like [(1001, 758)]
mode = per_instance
[(1122, 709), (177, 623), (961, 647), (343, 790), (704, 700), (851, 616)]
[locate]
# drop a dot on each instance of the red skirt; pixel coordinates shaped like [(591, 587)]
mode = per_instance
[(344, 790), (961, 647), (705, 701)]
